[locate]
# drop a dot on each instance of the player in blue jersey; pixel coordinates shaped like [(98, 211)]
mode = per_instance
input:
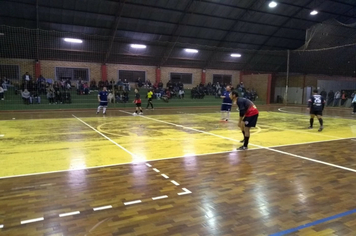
[(226, 104), (103, 101), (316, 105)]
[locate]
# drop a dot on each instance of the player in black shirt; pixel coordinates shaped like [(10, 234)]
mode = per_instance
[(316, 105)]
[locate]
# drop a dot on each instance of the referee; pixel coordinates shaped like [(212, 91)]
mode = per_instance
[(149, 96)]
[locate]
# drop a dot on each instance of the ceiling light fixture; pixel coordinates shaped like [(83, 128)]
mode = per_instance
[(314, 12), (191, 50), (272, 4), (140, 46), (235, 55), (71, 40)]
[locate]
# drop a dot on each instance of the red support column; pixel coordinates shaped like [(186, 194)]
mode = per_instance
[(203, 76), (37, 69), (269, 83), (104, 73), (158, 75)]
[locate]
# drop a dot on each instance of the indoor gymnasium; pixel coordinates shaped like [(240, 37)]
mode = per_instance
[(177, 117)]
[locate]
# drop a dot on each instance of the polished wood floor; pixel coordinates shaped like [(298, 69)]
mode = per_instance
[(52, 170)]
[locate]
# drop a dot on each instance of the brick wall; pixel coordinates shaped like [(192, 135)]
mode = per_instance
[(113, 71), (48, 68), (258, 82), (25, 65), (235, 75)]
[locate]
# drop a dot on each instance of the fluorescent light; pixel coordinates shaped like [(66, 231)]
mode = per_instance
[(71, 40), (272, 4), (235, 55), (138, 46), (191, 50), (313, 13)]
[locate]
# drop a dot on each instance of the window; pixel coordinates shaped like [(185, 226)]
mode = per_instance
[(185, 78), (72, 73), (10, 71), (132, 76), (222, 79)]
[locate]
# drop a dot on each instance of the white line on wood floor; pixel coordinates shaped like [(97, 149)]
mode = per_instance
[(69, 214), (174, 182), (1, 226), (186, 191), (160, 197), (31, 220), (155, 169), (132, 202), (102, 208), (165, 176), (148, 165)]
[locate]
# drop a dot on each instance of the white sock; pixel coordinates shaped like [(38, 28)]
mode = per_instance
[(228, 115), (222, 114), (104, 109), (99, 107)]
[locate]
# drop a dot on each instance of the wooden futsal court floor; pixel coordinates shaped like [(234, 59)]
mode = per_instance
[(175, 172)]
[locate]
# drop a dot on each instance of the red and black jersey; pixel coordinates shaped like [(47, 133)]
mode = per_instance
[(137, 98), (246, 107)]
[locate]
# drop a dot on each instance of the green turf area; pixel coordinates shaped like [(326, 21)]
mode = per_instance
[(14, 102)]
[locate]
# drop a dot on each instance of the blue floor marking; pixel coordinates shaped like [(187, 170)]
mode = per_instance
[(288, 231)]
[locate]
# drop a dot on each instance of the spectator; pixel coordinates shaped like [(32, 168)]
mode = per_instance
[(2, 91), (160, 85), (26, 96), (26, 77), (139, 83), (354, 104), (343, 98), (50, 95), (323, 94), (337, 98), (169, 85), (158, 93), (181, 93), (4, 82), (330, 97)]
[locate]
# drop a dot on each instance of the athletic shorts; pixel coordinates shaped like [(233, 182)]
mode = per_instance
[(138, 104), (251, 121), (103, 104), (317, 113), (225, 107)]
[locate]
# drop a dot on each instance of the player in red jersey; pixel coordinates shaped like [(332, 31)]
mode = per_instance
[(248, 117), (138, 102)]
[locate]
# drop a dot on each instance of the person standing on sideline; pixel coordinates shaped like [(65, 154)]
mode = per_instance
[(330, 98), (138, 102), (316, 105), (337, 98), (226, 104), (103, 101), (354, 104), (149, 96), (248, 117), (343, 98)]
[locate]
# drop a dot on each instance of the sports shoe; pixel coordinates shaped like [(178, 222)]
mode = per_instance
[(321, 128), (97, 112), (134, 114), (226, 120), (242, 148), (140, 113), (310, 127)]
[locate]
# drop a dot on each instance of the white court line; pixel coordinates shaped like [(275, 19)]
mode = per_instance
[(165, 176), (102, 208), (175, 183), (186, 191), (267, 148), (307, 114), (2, 135), (160, 197), (155, 169), (132, 202), (31, 220), (69, 214), (133, 155), (1, 226), (148, 165)]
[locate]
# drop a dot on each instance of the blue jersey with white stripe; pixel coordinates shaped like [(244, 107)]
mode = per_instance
[(227, 100)]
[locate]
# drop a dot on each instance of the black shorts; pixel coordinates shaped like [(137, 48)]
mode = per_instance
[(150, 99), (317, 113), (251, 121), (138, 104)]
